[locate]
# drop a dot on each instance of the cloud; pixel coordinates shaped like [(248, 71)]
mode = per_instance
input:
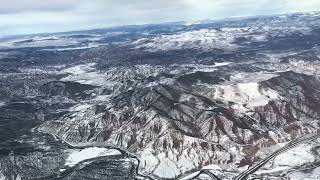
[(33, 16), (19, 6), (302, 5)]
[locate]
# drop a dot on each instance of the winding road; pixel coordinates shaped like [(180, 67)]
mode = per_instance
[(242, 176), (71, 169)]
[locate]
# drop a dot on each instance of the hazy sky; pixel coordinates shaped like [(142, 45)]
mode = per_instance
[(34, 16)]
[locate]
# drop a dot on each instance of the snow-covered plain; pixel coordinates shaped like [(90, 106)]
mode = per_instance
[(77, 156)]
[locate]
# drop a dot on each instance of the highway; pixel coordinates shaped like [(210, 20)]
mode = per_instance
[(244, 175), (198, 173)]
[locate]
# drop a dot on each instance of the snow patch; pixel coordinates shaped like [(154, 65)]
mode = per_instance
[(84, 74), (82, 107), (90, 45), (190, 176), (205, 39), (38, 42), (247, 94), (79, 69), (245, 77), (204, 68), (313, 175), (212, 167), (178, 69), (259, 38), (148, 160), (167, 81), (2, 177), (166, 168)]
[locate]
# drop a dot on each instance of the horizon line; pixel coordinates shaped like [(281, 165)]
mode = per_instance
[(182, 22)]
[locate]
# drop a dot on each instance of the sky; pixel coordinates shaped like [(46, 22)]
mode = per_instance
[(38, 16)]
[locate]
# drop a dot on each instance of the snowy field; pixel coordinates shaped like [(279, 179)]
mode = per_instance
[(78, 156)]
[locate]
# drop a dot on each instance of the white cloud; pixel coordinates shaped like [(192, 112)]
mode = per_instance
[(302, 5), (33, 16)]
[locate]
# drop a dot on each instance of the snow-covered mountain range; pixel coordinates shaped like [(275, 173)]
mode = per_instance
[(172, 100)]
